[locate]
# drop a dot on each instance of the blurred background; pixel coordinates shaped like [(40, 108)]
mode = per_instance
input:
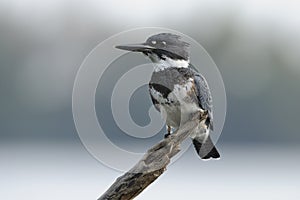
[(255, 44)]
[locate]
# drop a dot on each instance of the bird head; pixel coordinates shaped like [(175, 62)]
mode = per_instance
[(164, 49)]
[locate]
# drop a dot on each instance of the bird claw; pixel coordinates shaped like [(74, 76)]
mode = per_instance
[(203, 115)]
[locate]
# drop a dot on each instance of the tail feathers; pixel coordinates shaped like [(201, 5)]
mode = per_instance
[(206, 150)]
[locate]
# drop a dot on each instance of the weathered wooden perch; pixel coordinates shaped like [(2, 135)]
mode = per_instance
[(152, 165)]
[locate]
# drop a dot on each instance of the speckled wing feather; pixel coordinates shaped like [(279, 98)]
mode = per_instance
[(204, 97)]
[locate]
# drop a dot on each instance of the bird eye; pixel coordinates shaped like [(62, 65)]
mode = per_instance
[(164, 43), (153, 42)]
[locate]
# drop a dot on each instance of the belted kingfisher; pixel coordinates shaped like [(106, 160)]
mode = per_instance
[(176, 90)]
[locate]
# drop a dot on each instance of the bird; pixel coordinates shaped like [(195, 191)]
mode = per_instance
[(177, 90)]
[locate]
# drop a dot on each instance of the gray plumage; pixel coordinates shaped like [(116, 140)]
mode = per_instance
[(169, 43), (176, 90), (204, 97), (164, 81)]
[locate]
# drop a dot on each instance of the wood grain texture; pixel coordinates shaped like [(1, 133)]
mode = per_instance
[(152, 165)]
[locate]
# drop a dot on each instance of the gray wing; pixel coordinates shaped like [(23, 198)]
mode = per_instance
[(204, 97)]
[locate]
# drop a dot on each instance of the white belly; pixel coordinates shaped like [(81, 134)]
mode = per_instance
[(176, 115), (178, 107)]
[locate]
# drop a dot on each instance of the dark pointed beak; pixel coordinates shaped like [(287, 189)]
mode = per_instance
[(135, 47)]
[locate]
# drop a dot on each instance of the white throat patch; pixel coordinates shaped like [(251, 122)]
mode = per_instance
[(161, 64)]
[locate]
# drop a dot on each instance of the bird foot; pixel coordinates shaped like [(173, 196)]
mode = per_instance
[(203, 115), (167, 135), (169, 131)]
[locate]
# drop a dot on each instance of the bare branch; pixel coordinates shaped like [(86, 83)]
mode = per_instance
[(152, 165)]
